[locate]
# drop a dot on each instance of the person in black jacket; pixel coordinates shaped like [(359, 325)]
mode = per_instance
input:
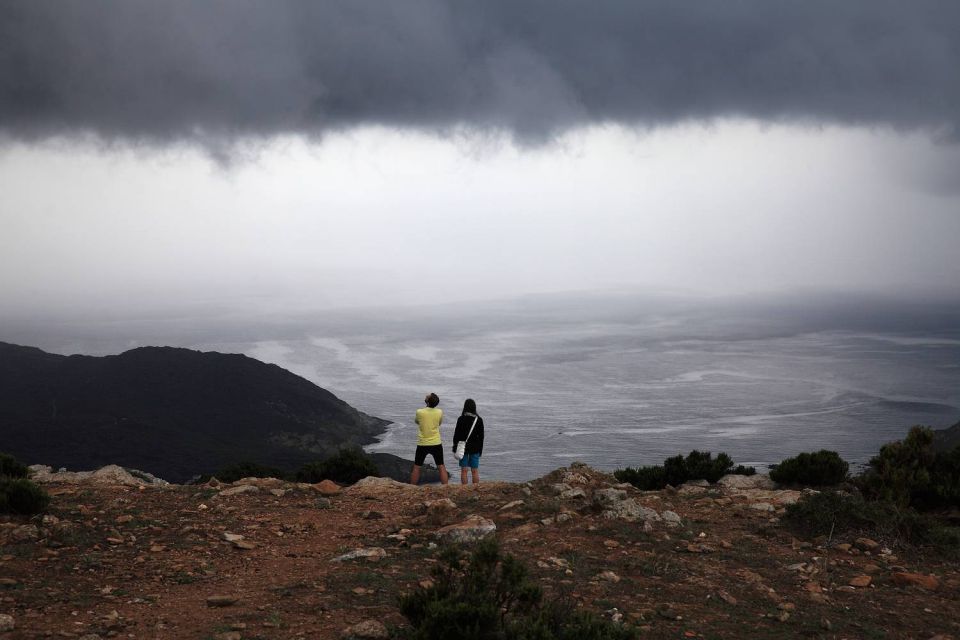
[(471, 460)]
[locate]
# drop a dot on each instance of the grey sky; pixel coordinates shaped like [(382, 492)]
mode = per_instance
[(414, 152), (211, 71)]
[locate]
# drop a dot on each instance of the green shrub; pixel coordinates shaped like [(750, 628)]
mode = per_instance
[(819, 469), (698, 465), (831, 513), (21, 496), (10, 467), (346, 467), (911, 473), (234, 472), (486, 596)]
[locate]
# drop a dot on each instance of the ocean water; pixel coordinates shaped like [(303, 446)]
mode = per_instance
[(615, 393)]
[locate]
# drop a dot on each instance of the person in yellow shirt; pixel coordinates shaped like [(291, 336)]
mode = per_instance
[(428, 438)]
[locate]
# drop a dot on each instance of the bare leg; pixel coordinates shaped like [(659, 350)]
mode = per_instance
[(463, 475), (415, 475), (476, 476), (444, 477)]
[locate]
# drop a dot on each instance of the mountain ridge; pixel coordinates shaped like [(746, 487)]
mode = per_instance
[(170, 411)]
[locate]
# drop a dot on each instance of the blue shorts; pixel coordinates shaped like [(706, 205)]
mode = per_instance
[(471, 460)]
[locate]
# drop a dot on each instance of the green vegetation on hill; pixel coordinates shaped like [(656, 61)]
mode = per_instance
[(897, 498), (346, 467), (910, 473), (698, 465), (818, 469), (18, 494)]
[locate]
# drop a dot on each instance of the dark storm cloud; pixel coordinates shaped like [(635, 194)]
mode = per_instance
[(215, 71)]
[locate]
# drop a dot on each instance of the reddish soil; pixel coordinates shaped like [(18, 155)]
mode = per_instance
[(141, 563)]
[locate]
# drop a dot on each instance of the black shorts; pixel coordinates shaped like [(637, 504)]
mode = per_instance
[(435, 450)]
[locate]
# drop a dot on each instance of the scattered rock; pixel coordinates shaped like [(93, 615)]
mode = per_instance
[(609, 497), (327, 488), (472, 529), (758, 481), (572, 477), (222, 601), (369, 629), (244, 545), (866, 544), (25, 533), (560, 488), (375, 486), (671, 518), (371, 554), (608, 576), (696, 547), (667, 613), (243, 488), (930, 583)]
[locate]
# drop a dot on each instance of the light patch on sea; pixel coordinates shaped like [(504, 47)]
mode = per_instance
[(621, 395)]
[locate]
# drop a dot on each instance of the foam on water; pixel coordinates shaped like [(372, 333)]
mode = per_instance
[(620, 395)]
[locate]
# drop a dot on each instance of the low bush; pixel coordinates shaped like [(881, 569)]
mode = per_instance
[(911, 473), (346, 467), (486, 596), (234, 472), (10, 467), (832, 513), (21, 496), (698, 465), (818, 469)]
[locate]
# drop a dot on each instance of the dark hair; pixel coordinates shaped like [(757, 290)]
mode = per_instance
[(433, 400), (469, 406)]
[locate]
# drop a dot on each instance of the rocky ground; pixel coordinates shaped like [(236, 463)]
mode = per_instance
[(125, 557)]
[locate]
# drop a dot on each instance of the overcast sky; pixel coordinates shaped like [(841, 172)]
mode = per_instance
[(297, 155)]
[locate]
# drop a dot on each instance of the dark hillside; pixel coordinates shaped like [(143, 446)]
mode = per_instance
[(172, 412), (947, 439)]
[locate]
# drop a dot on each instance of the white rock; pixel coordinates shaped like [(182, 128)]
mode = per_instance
[(473, 528), (7, 623), (609, 497), (373, 554), (576, 492), (511, 505), (368, 629), (762, 506), (671, 518)]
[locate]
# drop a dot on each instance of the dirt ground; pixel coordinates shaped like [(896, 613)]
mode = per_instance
[(129, 562)]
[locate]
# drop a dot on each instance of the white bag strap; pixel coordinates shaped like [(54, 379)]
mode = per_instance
[(470, 433)]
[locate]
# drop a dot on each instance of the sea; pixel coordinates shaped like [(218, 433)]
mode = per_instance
[(632, 387), (610, 380)]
